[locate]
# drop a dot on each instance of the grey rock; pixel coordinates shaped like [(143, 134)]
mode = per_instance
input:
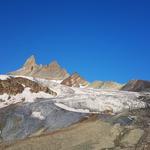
[(19, 123), (132, 138)]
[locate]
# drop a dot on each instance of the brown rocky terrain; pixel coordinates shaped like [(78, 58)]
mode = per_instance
[(137, 86), (75, 80), (53, 71), (16, 85)]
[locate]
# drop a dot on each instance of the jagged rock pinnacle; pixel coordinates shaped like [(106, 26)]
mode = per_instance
[(54, 64), (53, 71), (30, 62)]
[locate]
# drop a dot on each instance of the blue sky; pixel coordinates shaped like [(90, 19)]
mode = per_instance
[(100, 39)]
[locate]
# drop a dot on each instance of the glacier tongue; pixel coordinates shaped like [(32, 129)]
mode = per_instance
[(79, 99), (93, 100)]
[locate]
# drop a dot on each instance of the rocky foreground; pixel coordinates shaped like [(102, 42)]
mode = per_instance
[(126, 131), (39, 114)]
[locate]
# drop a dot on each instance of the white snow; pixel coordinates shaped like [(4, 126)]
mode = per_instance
[(57, 81), (93, 100), (25, 96), (79, 99), (26, 77), (4, 77), (30, 97), (102, 100), (71, 109), (38, 115)]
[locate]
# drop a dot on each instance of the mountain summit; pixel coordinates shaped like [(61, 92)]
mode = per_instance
[(53, 71), (30, 62)]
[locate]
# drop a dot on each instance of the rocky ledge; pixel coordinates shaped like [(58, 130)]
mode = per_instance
[(16, 85)]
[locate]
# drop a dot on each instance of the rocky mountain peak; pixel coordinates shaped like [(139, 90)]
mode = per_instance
[(54, 64), (137, 86), (53, 71), (30, 62)]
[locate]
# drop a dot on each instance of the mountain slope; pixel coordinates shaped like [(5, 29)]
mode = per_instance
[(75, 80), (137, 86)]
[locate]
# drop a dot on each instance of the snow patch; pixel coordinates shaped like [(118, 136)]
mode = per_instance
[(57, 81), (71, 109), (38, 115), (25, 96), (26, 77), (4, 77)]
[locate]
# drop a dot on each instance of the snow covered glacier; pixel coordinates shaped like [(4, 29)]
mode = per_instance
[(85, 100), (90, 100)]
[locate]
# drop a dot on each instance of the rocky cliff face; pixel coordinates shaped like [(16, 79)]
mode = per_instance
[(75, 80), (137, 86), (53, 71)]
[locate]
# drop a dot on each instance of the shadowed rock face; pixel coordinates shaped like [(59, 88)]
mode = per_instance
[(26, 119), (137, 86), (52, 71), (75, 80), (16, 85)]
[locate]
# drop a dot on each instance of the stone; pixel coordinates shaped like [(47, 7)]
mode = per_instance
[(132, 138)]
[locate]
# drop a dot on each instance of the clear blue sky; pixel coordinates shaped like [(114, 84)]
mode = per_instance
[(100, 39)]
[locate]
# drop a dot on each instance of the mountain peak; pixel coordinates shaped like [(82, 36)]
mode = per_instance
[(30, 62), (54, 63), (53, 71), (75, 74)]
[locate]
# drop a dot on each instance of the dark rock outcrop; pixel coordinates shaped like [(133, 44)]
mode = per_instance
[(75, 80), (16, 85), (53, 71), (137, 86)]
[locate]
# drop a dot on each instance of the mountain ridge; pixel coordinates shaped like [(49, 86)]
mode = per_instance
[(52, 71)]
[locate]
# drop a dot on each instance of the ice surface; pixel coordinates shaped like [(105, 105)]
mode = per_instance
[(93, 100), (79, 99)]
